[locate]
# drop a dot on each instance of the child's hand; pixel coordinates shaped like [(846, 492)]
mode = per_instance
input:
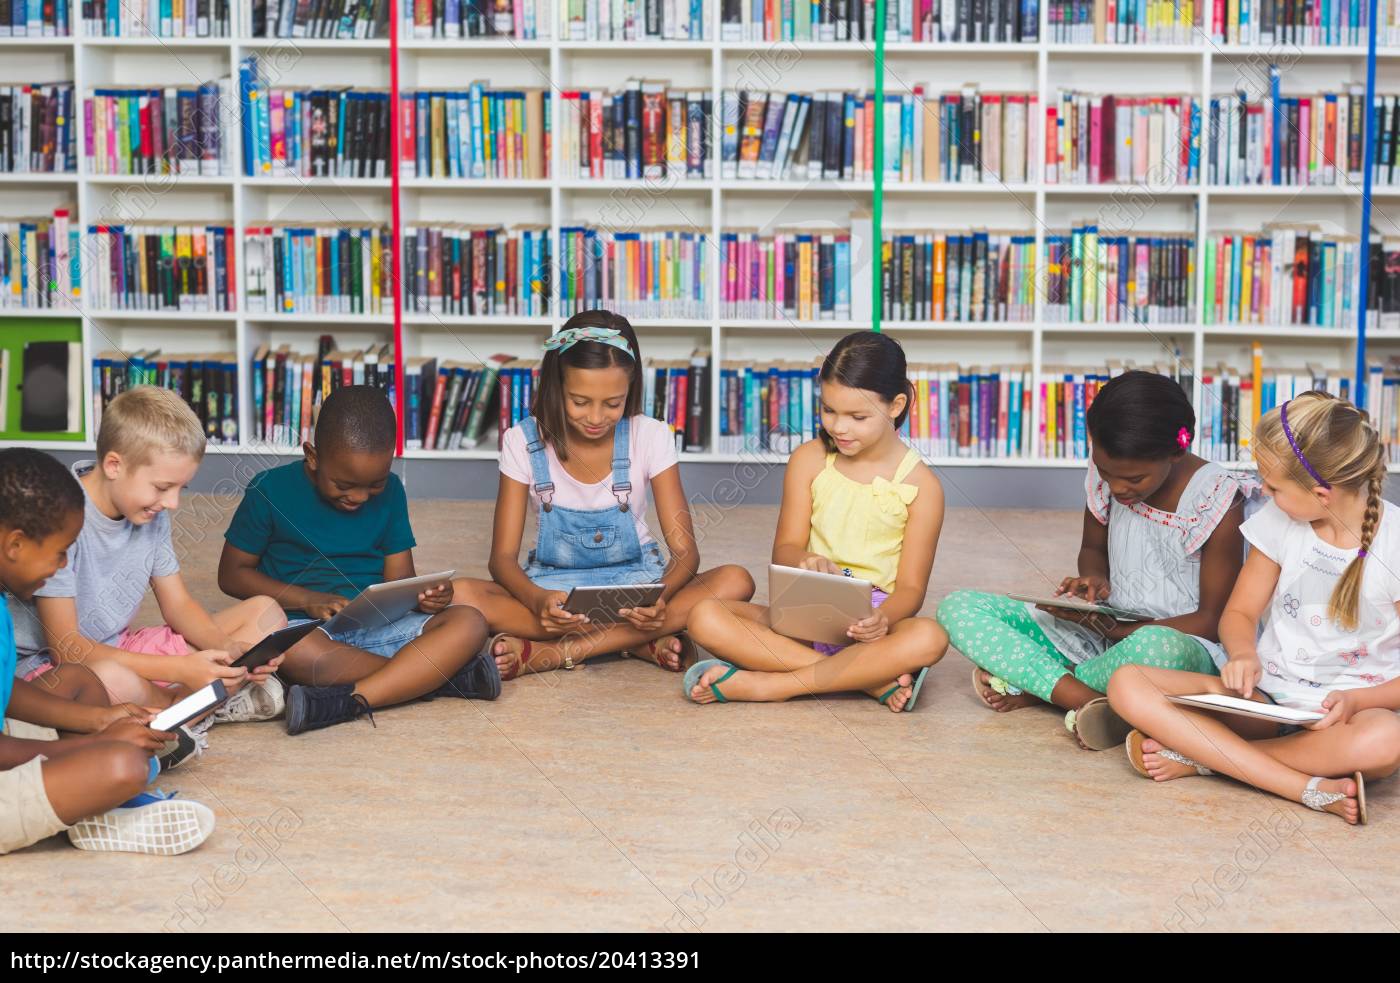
[(869, 629), (198, 669), (820, 564), (1099, 624), (1091, 588), (645, 619), (1340, 705), (104, 717), (325, 606), (435, 598), (262, 673), (553, 616), (128, 730), (1241, 674)]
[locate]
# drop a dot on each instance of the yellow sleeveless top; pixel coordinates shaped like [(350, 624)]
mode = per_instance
[(860, 527)]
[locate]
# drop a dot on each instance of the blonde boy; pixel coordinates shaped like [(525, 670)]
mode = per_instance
[(148, 450)]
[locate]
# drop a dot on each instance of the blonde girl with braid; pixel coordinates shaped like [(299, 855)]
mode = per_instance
[(1313, 623)]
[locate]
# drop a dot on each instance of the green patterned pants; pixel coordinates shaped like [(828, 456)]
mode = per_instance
[(999, 635)]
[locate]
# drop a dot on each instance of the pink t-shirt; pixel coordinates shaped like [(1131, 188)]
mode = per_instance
[(653, 450)]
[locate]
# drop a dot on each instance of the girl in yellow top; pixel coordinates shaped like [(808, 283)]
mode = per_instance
[(857, 502)]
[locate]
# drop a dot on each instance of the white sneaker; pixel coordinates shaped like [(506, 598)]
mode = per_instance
[(153, 822), (262, 701)]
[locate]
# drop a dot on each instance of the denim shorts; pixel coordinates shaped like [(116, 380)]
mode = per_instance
[(648, 570), (385, 640)]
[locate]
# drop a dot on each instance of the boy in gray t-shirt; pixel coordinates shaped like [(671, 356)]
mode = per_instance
[(149, 448)]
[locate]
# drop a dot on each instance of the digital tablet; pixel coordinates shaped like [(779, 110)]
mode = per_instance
[(815, 607), (198, 703), (274, 645), (1249, 708), (602, 604), (1078, 604), (383, 604)]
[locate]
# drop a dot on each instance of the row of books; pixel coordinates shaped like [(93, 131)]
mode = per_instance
[(155, 18), (518, 19), (963, 21), (1294, 140), (39, 262), (677, 392), (633, 20), (976, 412), (1122, 21), (448, 405), (477, 271), (341, 133), (476, 133), (325, 270), (1064, 395), (1095, 278), (1106, 139), (344, 19), (287, 388), (1287, 274), (36, 129), (821, 136), (833, 20), (1293, 22), (654, 273), (160, 268), (960, 137), (34, 19), (207, 382), (157, 131), (1385, 125), (1383, 297), (796, 274), (1383, 403), (643, 130), (958, 276), (1232, 401)]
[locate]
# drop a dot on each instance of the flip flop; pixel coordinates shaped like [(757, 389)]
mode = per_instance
[(918, 685), (524, 651), (1097, 725), (995, 683), (1360, 798), (693, 674)]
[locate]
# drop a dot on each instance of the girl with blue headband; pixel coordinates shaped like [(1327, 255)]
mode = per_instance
[(1323, 581), (584, 462)]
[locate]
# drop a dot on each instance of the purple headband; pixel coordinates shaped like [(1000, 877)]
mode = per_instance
[(1298, 451)]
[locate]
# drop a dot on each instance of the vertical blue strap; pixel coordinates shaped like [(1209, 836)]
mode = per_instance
[(1368, 140), (539, 461), (622, 463)]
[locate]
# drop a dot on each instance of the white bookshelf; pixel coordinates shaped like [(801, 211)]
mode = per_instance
[(710, 205)]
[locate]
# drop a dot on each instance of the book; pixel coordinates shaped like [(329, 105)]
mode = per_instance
[(795, 274), (1231, 398), (523, 20), (208, 382), (329, 269), (608, 135), (1077, 22), (780, 136), (973, 275), (153, 18), (1150, 141), (475, 133), (34, 19), (1287, 139), (1092, 277), (636, 20), (476, 270), (183, 267), (638, 273), (39, 262), (1283, 274), (37, 129), (1064, 394), (358, 20), (172, 130)]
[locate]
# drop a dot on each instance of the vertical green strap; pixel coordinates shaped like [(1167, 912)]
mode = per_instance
[(878, 211)]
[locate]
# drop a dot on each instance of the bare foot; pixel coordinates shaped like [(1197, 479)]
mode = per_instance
[(507, 651), (664, 652), (743, 687), (1000, 702), (900, 696), (1347, 808), (1161, 769)]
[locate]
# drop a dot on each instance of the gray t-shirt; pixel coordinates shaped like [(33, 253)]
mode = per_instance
[(109, 570)]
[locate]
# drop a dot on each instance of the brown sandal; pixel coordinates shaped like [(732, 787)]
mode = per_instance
[(524, 652), (687, 653)]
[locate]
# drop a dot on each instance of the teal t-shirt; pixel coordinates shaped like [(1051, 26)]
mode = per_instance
[(8, 657), (300, 538)]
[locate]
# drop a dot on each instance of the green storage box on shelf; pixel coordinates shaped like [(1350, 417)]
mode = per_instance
[(15, 334)]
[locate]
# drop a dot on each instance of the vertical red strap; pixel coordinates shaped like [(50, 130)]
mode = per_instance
[(396, 225)]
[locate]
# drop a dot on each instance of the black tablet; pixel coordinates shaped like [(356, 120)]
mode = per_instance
[(274, 645)]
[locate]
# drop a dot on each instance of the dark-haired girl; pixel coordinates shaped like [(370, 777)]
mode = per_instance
[(1161, 538), (584, 462), (855, 501)]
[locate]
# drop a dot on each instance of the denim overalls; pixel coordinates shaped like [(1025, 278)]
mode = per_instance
[(588, 547)]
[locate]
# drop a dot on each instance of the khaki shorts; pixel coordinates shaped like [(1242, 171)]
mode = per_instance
[(26, 816)]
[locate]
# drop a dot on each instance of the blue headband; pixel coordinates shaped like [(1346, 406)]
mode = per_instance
[(570, 337)]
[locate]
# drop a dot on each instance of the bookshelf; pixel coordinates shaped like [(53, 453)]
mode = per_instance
[(1201, 69)]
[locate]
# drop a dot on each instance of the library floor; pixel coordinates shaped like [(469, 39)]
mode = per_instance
[(601, 799)]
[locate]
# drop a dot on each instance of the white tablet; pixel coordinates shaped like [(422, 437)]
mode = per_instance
[(383, 604), (200, 702), (1078, 604), (815, 607), (1248, 708)]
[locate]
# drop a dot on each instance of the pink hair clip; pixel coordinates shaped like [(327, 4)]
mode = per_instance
[(1183, 438)]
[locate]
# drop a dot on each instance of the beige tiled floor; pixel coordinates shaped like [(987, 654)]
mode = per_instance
[(601, 799)]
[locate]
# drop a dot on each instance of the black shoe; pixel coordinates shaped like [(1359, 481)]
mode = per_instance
[(479, 679), (185, 746), (314, 707)]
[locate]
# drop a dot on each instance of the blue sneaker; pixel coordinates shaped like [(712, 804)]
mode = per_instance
[(153, 822)]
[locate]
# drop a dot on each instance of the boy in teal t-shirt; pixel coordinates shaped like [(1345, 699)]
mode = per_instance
[(68, 760), (313, 535)]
